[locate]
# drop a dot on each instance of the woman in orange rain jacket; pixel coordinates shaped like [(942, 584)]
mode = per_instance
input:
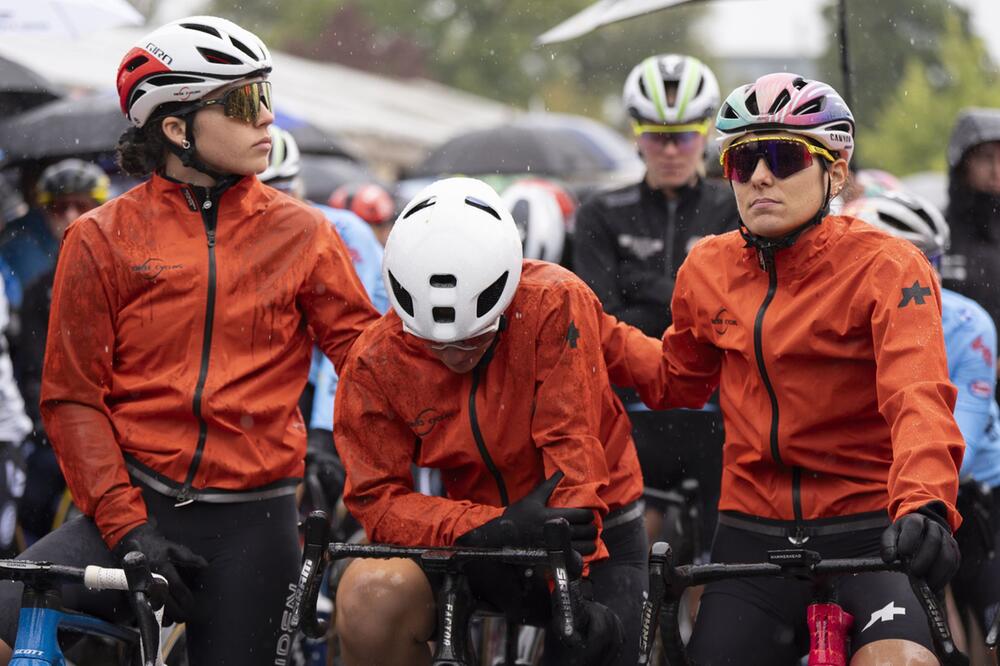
[(824, 336), (183, 317), (488, 368)]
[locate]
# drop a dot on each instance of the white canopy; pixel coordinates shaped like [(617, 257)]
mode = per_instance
[(388, 121)]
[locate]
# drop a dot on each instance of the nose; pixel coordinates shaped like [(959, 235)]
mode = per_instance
[(265, 117), (761, 174)]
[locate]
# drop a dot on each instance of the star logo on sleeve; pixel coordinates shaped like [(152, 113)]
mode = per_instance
[(572, 335), (915, 293)]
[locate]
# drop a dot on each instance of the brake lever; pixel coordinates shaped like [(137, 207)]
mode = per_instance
[(940, 632), (566, 597), (142, 592), (659, 554), (314, 555)]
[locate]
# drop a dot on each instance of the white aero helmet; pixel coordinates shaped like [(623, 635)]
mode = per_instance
[(283, 161), (907, 216), (185, 60), (540, 221), (452, 261), (645, 95)]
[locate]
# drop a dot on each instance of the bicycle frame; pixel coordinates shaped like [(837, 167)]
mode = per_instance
[(667, 583), (42, 614)]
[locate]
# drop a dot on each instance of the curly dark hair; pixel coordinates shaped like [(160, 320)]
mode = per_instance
[(143, 150)]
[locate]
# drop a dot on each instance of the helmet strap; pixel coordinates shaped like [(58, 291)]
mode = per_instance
[(187, 152), (766, 247)]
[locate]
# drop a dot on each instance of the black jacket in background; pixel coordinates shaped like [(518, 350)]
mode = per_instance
[(28, 346), (629, 243), (972, 265)]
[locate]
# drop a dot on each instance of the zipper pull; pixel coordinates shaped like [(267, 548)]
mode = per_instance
[(207, 205), (183, 500), (798, 535), (211, 237)]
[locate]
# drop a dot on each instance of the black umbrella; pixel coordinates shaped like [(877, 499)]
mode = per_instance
[(21, 88), (92, 125), (559, 146), (64, 128), (322, 174)]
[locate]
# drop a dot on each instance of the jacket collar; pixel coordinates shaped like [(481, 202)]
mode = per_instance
[(808, 250), (239, 197), (685, 193)]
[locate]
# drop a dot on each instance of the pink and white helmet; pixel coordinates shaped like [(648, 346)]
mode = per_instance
[(185, 60), (786, 102)]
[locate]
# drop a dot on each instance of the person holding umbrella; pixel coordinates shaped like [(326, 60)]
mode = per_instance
[(183, 318), (630, 242)]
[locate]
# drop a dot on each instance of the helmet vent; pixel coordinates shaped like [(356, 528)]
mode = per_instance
[(780, 101), (729, 112), (201, 27), (642, 88), (426, 203), (491, 295), (701, 86), (482, 205), (812, 106), (174, 79), (893, 222), (402, 296), (135, 63), (444, 281), (243, 47), (521, 212), (212, 55), (751, 104), (799, 83), (443, 315), (841, 127)]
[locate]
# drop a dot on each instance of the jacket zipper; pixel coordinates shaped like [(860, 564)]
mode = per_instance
[(477, 434), (209, 216), (797, 536)]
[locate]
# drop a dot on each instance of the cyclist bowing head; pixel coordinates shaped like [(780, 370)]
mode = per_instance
[(489, 368), (824, 337)]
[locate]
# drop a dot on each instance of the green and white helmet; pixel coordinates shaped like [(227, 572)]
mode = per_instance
[(645, 95)]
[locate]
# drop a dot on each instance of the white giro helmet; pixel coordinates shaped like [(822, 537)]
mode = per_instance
[(539, 220), (907, 216), (452, 261), (645, 94), (283, 161), (185, 60)]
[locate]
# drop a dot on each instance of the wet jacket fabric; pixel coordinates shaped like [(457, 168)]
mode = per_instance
[(630, 242), (832, 370), (186, 317), (539, 402)]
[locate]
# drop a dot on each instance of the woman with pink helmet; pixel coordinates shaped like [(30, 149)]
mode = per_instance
[(824, 336)]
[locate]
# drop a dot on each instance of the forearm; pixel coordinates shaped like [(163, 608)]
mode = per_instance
[(94, 468)]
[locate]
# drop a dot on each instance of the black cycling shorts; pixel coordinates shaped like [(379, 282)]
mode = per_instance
[(244, 596), (763, 621)]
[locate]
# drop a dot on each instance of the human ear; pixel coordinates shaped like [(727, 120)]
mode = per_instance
[(175, 129)]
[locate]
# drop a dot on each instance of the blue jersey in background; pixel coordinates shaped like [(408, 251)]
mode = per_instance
[(970, 338), (366, 253)]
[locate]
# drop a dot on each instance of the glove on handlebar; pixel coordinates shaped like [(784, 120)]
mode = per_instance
[(323, 461), (923, 541), (522, 523), (164, 556), (598, 640)]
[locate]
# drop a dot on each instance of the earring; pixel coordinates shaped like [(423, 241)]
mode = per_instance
[(185, 144)]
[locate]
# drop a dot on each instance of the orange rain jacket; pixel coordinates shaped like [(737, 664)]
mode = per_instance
[(542, 404), (182, 320), (834, 381)]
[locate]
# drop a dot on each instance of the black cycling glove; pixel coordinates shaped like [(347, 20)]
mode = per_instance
[(522, 523), (323, 461), (164, 556), (598, 640), (923, 541)]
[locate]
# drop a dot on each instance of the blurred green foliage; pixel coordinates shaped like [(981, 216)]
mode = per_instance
[(911, 133), (484, 47), (915, 64)]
